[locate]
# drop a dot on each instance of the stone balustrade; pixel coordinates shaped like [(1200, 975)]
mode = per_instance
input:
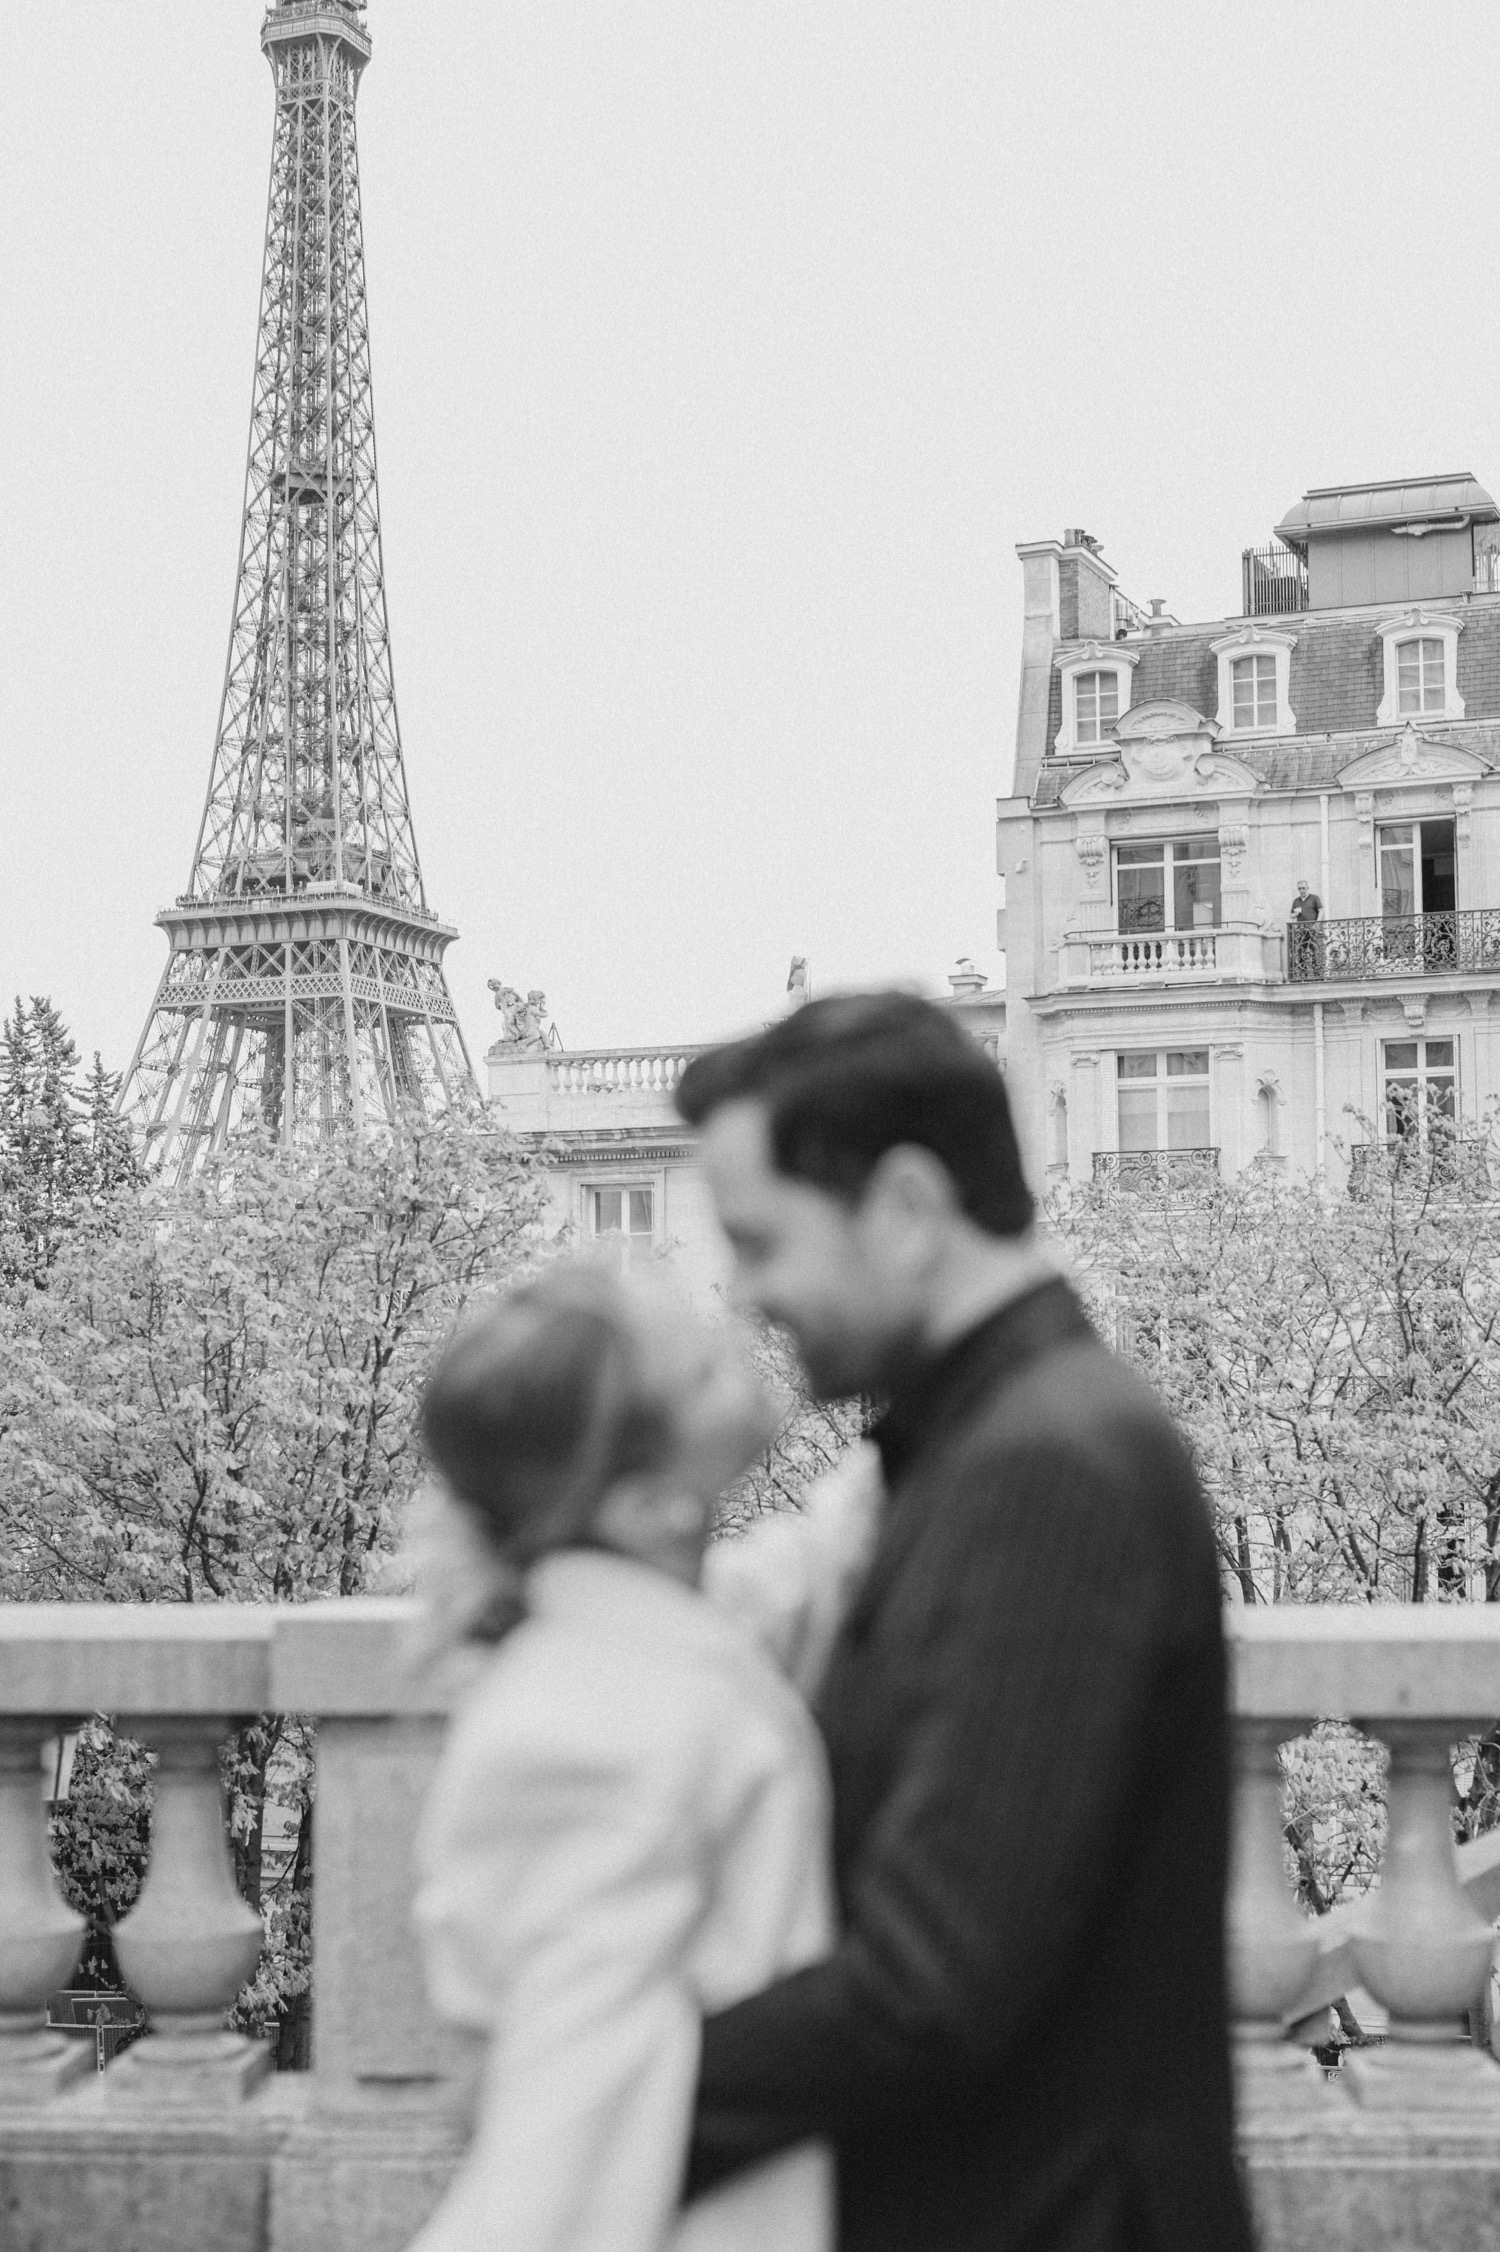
[(617, 1071), (187, 2139), (1403, 2148), (1232, 952)]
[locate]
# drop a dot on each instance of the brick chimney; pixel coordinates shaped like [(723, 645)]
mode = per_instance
[(1084, 581)]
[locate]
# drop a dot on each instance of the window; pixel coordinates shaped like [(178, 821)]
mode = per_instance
[(1162, 1096), (1418, 868), (621, 1223), (1419, 663), (1419, 1082), (1255, 680), (1254, 685), (1171, 885), (1421, 677), (1096, 705), (1095, 682)]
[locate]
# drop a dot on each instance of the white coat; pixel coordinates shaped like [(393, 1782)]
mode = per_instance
[(628, 1829)]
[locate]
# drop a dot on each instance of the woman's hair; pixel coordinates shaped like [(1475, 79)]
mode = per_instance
[(537, 1405)]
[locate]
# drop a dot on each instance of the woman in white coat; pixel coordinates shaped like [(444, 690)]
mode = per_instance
[(629, 1824)]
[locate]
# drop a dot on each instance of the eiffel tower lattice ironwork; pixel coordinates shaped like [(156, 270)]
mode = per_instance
[(305, 981)]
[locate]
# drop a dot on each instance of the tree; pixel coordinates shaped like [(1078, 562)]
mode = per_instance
[(214, 1397), (1334, 1362), (811, 1439), (64, 1152)]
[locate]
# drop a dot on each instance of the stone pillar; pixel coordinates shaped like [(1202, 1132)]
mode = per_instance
[(40, 1935), (1422, 1949), (392, 2086), (190, 1942), (1229, 1108), (1087, 1129), (1236, 888), (1092, 912), (1273, 1946)]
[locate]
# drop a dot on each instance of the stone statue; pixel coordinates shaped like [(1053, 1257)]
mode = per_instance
[(523, 1024), (798, 983)]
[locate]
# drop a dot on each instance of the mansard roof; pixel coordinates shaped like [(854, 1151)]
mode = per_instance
[(1337, 674)]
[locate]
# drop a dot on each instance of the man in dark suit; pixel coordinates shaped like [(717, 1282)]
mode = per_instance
[(1019, 2044)]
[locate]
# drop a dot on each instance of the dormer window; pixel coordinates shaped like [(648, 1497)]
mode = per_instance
[(1255, 678), (1419, 675), (1420, 652), (1095, 694), (1096, 705)]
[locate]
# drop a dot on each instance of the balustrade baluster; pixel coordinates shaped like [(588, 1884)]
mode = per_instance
[(40, 1936), (190, 1942), (1421, 1948), (1273, 1946)]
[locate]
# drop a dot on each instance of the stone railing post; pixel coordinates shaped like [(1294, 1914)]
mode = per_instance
[(1272, 1944), (391, 2085), (1421, 1947), (40, 1936), (190, 1942)]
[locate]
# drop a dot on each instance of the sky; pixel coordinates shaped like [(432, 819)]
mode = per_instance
[(723, 351)]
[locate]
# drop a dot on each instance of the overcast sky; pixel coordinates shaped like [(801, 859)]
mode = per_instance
[(722, 354)]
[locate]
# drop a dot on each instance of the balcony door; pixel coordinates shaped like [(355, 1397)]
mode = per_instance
[(1162, 1096), (1419, 892), (1171, 884), (1418, 869)]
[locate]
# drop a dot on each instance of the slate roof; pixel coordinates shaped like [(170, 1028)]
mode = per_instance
[(1336, 672)]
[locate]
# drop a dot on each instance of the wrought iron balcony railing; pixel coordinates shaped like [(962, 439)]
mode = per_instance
[(1156, 1169), (1458, 1162), (1394, 945)]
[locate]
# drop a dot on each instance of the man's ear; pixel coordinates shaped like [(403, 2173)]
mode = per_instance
[(913, 1184)]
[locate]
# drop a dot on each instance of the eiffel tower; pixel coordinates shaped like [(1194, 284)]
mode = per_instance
[(304, 983)]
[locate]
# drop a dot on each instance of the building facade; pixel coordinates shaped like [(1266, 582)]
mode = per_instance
[(1251, 866), (619, 1161)]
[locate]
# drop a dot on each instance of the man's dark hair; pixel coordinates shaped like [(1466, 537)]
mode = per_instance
[(846, 1079)]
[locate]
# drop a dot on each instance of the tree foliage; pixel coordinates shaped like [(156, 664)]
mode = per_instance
[(64, 1152), (1334, 1361), (208, 1392), (813, 1436)]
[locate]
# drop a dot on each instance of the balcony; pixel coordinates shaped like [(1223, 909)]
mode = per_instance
[(189, 2132), (1164, 1172), (1459, 1163), (1273, 582), (1365, 946), (1240, 952)]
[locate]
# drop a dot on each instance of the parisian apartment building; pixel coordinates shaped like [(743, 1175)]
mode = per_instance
[(1251, 866)]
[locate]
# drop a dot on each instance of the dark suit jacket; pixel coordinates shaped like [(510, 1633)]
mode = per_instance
[(1020, 2041)]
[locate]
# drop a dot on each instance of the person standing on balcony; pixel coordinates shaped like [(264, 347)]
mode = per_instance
[(1025, 1706), (1307, 939)]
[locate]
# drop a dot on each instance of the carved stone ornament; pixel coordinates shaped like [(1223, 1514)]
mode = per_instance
[(1463, 807), (523, 1024), (1233, 844), (1411, 758), (1414, 1009), (1090, 851), (1166, 750)]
